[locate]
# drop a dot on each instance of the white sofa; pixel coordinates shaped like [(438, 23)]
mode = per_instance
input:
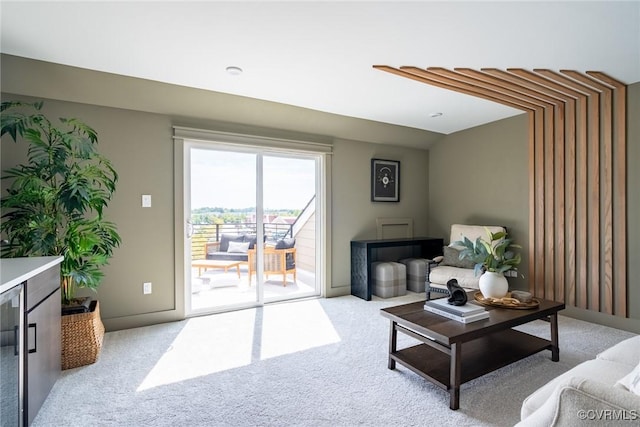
[(450, 266), (596, 392)]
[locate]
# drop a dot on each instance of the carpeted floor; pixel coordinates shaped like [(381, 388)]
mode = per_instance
[(320, 362)]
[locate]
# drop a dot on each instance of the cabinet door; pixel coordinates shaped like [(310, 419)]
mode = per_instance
[(43, 352)]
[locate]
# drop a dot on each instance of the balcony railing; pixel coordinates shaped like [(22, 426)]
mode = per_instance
[(203, 233)]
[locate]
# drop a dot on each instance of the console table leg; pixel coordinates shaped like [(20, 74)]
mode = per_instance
[(555, 349), (393, 336), (454, 376)]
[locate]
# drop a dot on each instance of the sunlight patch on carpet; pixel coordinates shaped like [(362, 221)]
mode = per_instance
[(219, 342), (292, 327)]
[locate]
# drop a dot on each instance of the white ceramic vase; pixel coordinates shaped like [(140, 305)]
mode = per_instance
[(493, 285)]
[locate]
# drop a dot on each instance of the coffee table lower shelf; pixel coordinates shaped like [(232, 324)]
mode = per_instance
[(478, 357)]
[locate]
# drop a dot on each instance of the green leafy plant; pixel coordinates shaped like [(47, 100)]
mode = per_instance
[(55, 201), (493, 254)]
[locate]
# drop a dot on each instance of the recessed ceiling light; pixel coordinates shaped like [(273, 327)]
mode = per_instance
[(435, 114), (234, 71)]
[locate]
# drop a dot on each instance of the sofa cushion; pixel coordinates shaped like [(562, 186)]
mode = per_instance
[(238, 247), (252, 239), (603, 371), (465, 276), (631, 382), (576, 397), (226, 238), (627, 352), (451, 257), (228, 256)]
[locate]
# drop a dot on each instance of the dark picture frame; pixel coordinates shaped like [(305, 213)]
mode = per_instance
[(385, 180)]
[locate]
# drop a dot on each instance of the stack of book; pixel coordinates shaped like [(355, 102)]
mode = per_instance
[(470, 312)]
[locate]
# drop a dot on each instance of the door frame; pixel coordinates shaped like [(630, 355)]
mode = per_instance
[(184, 138)]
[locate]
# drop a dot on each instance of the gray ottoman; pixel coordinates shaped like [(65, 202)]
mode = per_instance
[(416, 273), (389, 279)]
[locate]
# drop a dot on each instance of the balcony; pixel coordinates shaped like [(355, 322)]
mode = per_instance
[(228, 283)]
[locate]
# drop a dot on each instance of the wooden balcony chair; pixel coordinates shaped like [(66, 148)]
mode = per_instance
[(280, 259)]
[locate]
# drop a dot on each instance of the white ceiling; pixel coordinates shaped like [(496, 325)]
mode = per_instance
[(319, 55)]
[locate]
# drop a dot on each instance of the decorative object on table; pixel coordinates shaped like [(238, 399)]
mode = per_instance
[(457, 295), (467, 313), (449, 265), (493, 257), (55, 203), (385, 180), (522, 296), (506, 302)]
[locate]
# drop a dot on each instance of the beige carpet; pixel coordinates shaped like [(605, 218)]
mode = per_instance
[(319, 362)]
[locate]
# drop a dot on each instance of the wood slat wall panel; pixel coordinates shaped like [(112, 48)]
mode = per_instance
[(577, 175)]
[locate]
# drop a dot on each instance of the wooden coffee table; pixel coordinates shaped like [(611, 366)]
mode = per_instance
[(453, 353), (212, 263)]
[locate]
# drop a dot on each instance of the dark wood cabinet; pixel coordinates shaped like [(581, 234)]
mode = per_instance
[(42, 339), (366, 252)]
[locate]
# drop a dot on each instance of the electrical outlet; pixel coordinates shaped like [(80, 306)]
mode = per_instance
[(146, 200), (146, 288)]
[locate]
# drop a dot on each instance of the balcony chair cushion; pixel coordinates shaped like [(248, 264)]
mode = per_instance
[(238, 247), (285, 243), (288, 243), (226, 238), (252, 239)]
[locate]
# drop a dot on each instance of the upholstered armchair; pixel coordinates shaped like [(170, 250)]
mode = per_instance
[(449, 266), (280, 259)]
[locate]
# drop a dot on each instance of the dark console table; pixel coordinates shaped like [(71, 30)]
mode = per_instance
[(363, 253)]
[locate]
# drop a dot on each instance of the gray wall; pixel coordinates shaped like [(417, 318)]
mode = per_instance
[(480, 176), (354, 215), (141, 147), (457, 180)]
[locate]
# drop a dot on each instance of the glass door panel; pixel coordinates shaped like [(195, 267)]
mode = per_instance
[(254, 237), (289, 204), (223, 218)]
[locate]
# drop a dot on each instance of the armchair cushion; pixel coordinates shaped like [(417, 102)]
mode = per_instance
[(288, 244), (285, 243), (466, 277), (452, 258)]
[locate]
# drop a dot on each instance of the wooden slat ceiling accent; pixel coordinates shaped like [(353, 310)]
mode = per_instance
[(577, 175)]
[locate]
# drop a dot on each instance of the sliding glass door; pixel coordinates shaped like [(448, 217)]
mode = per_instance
[(253, 217)]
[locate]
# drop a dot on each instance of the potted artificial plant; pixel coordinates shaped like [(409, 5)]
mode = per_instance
[(54, 206), (492, 257)]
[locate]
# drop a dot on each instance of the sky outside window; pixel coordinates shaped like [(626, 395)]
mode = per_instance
[(228, 179)]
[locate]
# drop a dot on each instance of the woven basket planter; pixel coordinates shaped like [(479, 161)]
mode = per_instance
[(82, 336)]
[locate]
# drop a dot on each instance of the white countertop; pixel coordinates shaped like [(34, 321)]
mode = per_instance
[(14, 271)]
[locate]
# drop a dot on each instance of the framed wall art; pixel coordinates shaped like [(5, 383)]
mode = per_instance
[(385, 180)]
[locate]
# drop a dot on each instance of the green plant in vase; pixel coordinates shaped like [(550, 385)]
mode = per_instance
[(492, 257), (55, 200)]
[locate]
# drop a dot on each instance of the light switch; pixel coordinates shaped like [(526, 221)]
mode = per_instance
[(146, 200)]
